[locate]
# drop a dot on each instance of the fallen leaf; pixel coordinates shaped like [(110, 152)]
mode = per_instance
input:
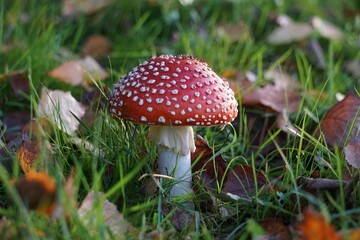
[(290, 33), (79, 72), (352, 153), (327, 29), (201, 160), (337, 121), (19, 82), (284, 20), (180, 218), (275, 229), (279, 99), (315, 227), (96, 46), (234, 32), (281, 79), (73, 7), (38, 192), (243, 182), (116, 223), (27, 155), (238, 182), (61, 108), (16, 120)]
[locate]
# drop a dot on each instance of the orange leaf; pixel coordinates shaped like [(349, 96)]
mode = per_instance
[(38, 192), (315, 227)]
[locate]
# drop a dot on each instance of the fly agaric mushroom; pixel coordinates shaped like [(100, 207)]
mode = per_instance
[(172, 94)]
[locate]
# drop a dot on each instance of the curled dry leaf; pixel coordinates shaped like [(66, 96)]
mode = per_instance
[(292, 32), (38, 192), (327, 29), (118, 226), (60, 108), (337, 122), (96, 46), (352, 153), (315, 227), (79, 72)]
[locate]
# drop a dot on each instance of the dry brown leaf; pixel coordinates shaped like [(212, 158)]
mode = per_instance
[(275, 229), (96, 46), (116, 223), (33, 144), (79, 72), (60, 107), (19, 82), (28, 154), (327, 29), (234, 32), (282, 80), (73, 7), (16, 120), (290, 33), (279, 99), (38, 192), (338, 120), (239, 182), (352, 153), (315, 227)]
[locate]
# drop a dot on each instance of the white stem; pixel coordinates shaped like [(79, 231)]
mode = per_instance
[(179, 167), (175, 145)]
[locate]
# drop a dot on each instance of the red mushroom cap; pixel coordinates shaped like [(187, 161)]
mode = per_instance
[(173, 90)]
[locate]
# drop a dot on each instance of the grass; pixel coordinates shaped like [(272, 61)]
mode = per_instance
[(138, 30)]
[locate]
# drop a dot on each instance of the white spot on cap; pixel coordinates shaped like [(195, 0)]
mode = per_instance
[(172, 113), (168, 103), (197, 94), (151, 81), (161, 119), (185, 98), (159, 100), (149, 109), (177, 106), (135, 98), (182, 112), (141, 102), (162, 91), (183, 86), (143, 119), (198, 106)]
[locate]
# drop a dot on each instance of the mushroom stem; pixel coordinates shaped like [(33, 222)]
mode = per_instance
[(179, 167), (175, 145)]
